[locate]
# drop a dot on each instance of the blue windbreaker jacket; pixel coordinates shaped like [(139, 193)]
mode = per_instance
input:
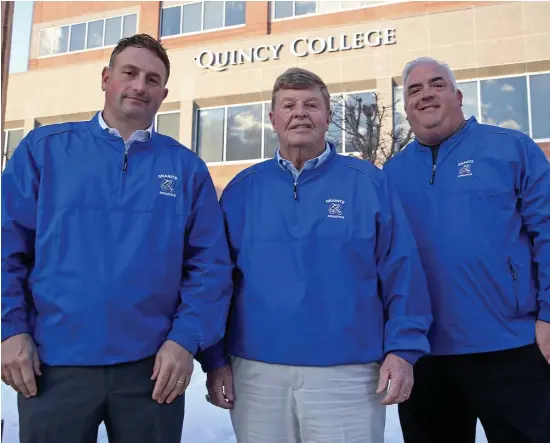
[(326, 275), (483, 231), (101, 264)]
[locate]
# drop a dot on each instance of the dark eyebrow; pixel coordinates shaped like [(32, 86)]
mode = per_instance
[(432, 80), (436, 79), (135, 68)]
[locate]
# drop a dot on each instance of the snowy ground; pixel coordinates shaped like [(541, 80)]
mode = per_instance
[(204, 423)]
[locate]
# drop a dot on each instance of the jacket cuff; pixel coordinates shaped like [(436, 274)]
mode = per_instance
[(186, 341), (411, 356), (544, 312), (213, 357), (10, 329)]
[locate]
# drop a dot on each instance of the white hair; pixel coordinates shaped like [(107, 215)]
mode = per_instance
[(422, 60)]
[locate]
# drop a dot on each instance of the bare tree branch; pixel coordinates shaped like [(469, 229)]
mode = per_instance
[(361, 117)]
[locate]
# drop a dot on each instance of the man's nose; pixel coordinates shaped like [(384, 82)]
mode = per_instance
[(138, 84), (427, 93), (300, 110)]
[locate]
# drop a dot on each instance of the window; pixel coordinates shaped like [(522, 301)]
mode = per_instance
[(88, 35), (12, 138), (348, 118), (236, 133), (201, 16), (520, 102), (289, 9), (168, 124), (539, 86)]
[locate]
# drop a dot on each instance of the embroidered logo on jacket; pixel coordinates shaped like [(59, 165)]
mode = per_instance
[(335, 208), (465, 168), (167, 185)]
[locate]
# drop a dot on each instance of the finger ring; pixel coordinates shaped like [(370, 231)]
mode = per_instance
[(179, 381)]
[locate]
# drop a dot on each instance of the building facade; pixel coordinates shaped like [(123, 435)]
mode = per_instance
[(226, 55)]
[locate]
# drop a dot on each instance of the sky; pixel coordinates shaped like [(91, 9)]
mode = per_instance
[(203, 422), (21, 36)]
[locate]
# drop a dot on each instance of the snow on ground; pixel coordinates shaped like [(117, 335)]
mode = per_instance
[(204, 423)]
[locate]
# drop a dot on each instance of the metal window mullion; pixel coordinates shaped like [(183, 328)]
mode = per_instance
[(203, 10), (51, 43), (293, 8), (224, 154), (181, 19), (529, 116), (103, 37), (69, 39), (223, 14), (86, 36), (343, 114), (480, 116), (122, 18)]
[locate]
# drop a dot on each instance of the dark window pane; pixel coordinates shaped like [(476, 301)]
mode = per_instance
[(284, 9), (234, 13), (469, 99), (192, 17), (95, 34), (13, 139), (504, 103), (359, 110), (210, 134), (334, 133), (61, 40), (271, 142), (213, 15), (540, 105), (170, 21), (46, 37), (113, 28), (130, 25), (169, 124), (244, 132), (305, 8), (78, 37)]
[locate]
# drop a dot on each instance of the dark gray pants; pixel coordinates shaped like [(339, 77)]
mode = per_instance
[(73, 401)]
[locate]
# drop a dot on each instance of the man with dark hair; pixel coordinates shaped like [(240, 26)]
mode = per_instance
[(330, 301), (115, 266)]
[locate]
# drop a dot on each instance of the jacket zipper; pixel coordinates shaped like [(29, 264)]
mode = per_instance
[(512, 270), (434, 161), (125, 165), (295, 190), (433, 175)]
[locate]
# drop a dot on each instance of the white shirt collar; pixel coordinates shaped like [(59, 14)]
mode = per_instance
[(138, 135)]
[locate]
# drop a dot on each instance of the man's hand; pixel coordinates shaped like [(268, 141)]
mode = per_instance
[(543, 338), (399, 373), (172, 371), (20, 363), (219, 383)]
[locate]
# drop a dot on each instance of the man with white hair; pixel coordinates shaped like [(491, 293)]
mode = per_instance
[(478, 200)]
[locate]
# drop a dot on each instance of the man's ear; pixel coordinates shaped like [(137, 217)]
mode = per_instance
[(105, 74), (165, 93)]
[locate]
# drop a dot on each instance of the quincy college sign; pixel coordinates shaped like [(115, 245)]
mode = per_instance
[(300, 47)]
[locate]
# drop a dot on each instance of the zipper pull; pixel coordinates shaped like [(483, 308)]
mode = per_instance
[(295, 191), (125, 165), (433, 175), (515, 277)]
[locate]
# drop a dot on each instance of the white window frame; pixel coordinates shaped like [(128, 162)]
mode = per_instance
[(527, 77), (5, 147), (313, 14), (202, 31), (70, 25)]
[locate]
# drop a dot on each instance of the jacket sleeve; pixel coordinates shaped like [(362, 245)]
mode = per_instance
[(402, 282), (534, 206), (206, 285), (20, 183)]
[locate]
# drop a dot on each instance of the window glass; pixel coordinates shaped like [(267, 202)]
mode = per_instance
[(192, 17), (210, 134), (170, 21), (540, 105), (78, 37), (130, 25), (169, 124), (61, 40), (271, 141), (244, 132), (95, 34), (213, 14), (113, 28), (235, 13), (46, 39), (284, 9)]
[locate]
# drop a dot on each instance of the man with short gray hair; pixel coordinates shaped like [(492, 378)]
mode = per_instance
[(330, 300), (478, 199)]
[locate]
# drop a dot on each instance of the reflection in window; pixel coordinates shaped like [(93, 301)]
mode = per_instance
[(357, 107), (61, 40), (113, 27), (201, 16), (12, 138), (335, 133), (469, 99), (244, 132), (285, 8), (540, 105), (211, 134), (78, 37), (191, 18), (95, 34), (271, 142), (504, 103), (87, 35), (169, 124), (305, 7)]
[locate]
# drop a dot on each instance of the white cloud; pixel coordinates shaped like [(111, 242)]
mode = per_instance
[(506, 87), (510, 124)]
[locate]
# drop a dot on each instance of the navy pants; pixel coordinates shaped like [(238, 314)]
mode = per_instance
[(73, 401)]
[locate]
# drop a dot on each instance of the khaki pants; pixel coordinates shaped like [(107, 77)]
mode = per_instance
[(296, 404)]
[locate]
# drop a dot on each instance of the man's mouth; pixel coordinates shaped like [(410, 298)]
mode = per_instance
[(301, 126), (424, 108), (137, 99)]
